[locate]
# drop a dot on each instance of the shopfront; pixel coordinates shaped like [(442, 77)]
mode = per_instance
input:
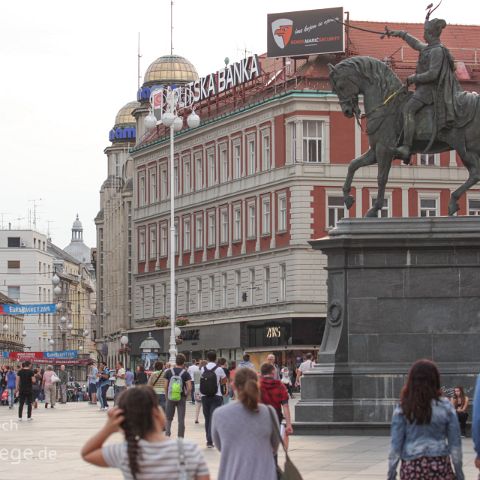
[(195, 341), (288, 339)]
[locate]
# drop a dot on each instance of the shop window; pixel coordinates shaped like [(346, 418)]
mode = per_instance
[(335, 210)]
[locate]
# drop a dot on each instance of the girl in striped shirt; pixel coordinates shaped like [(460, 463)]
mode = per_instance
[(146, 454)]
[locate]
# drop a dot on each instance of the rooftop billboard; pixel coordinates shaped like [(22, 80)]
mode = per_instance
[(305, 33)]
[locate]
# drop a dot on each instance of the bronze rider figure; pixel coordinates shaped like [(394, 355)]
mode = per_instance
[(435, 64)]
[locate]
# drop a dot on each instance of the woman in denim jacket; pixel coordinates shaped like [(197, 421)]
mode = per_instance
[(425, 430)]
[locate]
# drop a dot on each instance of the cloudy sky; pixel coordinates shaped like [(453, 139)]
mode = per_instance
[(68, 67)]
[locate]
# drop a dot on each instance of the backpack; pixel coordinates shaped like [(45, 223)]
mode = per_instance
[(175, 386), (208, 382)]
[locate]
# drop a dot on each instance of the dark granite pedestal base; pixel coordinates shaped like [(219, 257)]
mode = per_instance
[(398, 290)]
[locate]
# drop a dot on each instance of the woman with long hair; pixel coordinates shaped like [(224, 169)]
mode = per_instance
[(460, 403), (146, 452), (425, 431), (244, 433)]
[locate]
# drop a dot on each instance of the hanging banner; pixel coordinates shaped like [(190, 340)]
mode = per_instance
[(64, 357), (305, 33), (35, 309)]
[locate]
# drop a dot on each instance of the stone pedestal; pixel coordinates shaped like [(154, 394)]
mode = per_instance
[(399, 289)]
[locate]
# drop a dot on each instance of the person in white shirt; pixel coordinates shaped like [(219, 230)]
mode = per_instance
[(120, 384), (211, 399), (191, 370), (308, 364)]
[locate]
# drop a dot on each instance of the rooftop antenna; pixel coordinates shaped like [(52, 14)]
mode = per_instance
[(35, 200), (171, 27), (244, 51), (139, 56), (48, 229), (2, 214)]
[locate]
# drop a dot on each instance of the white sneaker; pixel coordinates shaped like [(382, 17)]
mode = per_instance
[(20, 419), (29, 419)]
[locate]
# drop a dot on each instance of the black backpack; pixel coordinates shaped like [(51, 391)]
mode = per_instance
[(208, 382)]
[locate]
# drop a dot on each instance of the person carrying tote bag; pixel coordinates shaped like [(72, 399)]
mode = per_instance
[(290, 471)]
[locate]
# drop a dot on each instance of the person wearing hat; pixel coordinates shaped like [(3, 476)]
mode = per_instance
[(434, 80)]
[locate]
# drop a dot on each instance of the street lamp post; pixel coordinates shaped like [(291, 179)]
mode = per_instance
[(174, 122), (124, 342)]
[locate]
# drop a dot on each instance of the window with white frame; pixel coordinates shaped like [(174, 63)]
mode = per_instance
[(224, 290), (266, 216), (198, 172), (164, 298), (199, 294), (266, 284), (211, 168), (237, 160), (224, 225), (282, 212), (142, 302), (237, 223), (474, 206), (223, 163), (13, 292), (141, 190), (186, 234), (238, 287), (163, 240), (211, 229), (312, 141), (141, 245), (164, 183), (335, 210), (211, 302), (199, 231), (428, 206), (251, 156), (428, 159), (118, 170), (251, 286), (385, 211), (153, 241), (282, 294), (187, 185), (187, 295), (176, 179), (251, 230), (266, 160), (153, 186), (176, 236), (293, 141)]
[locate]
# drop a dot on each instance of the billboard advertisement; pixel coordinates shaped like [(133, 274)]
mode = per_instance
[(305, 33), (65, 357)]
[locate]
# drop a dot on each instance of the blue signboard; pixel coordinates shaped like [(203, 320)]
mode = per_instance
[(61, 354), (35, 309)]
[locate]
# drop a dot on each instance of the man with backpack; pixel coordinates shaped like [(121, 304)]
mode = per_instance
[(211, 379), (178, 387)]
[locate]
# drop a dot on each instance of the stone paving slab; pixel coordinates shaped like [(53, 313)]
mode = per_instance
[(55, 438)]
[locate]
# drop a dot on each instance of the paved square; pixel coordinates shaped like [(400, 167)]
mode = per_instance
[(49, 448)]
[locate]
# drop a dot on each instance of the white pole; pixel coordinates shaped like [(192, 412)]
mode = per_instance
[(173, 344)]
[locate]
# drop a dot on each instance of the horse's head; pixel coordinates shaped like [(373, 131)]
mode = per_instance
[(346, 90)]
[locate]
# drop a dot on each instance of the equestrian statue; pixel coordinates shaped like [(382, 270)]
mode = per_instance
[(437, 117)]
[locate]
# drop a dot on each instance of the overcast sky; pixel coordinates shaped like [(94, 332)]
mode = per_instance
[(68, 67)]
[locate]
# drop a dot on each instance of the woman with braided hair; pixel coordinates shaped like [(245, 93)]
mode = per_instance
[(146, 452)]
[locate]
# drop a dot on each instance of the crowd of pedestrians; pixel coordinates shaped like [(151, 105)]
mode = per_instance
[(426, 428), (27, 386)]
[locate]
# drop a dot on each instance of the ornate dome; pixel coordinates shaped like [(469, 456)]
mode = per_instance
[(124, 115), (170, 69), (77, 249)]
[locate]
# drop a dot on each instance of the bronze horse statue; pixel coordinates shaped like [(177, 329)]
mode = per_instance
[(384, 97)]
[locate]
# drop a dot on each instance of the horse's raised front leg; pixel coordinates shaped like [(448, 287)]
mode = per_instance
[(384, 157), (471, 161), (368, 158)]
